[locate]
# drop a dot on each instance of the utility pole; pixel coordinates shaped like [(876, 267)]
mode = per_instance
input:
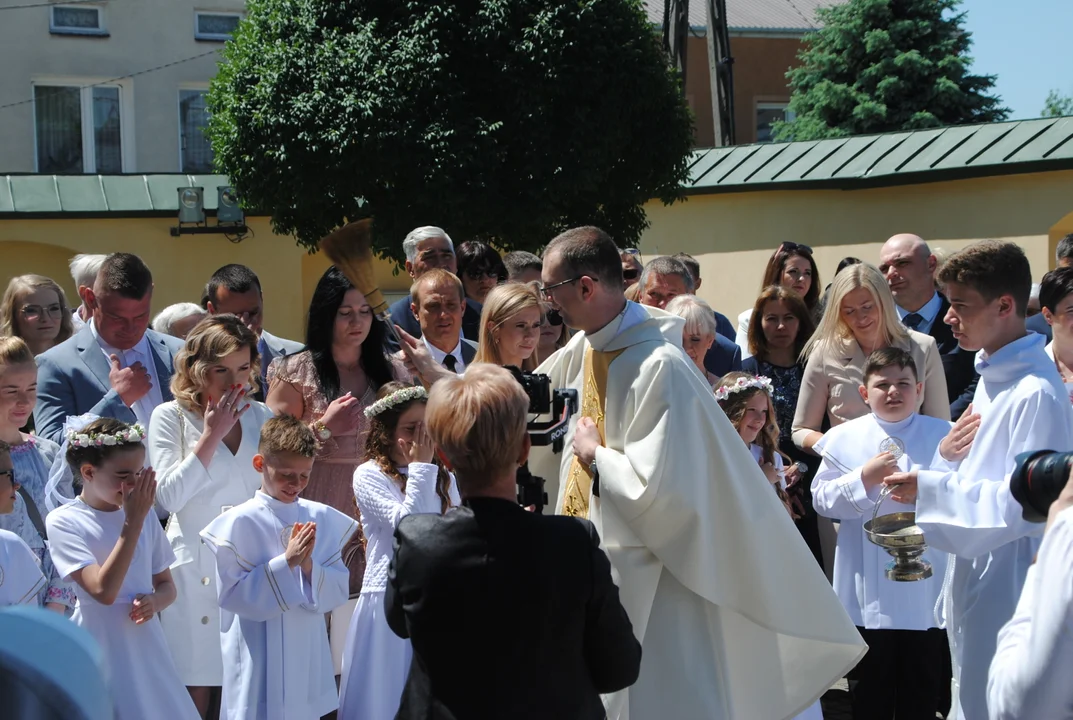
[(720, 62)]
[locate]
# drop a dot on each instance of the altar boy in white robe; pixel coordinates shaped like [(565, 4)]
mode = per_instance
[(902, 674), (1020, 404), (278, 560), (736, 620)]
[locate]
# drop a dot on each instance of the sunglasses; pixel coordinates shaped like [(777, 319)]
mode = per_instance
[(554, 318), (630, 274), (792, 247)]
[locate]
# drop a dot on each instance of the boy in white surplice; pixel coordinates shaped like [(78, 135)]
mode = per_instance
[(902, 673), (279, 566)]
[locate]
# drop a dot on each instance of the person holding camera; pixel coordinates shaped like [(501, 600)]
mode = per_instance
[(529, 600), (1029, 675), (736, 619)]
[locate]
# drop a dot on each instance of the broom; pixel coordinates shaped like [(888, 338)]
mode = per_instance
[(350, 248)]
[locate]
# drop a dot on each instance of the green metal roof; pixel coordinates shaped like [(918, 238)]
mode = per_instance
[(101, 194), (889, 159), (848, 163)]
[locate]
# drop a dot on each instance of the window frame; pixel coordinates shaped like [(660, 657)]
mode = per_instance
[(89, 145), (769, 104), (185, 87), (54, 29), (214, 37)]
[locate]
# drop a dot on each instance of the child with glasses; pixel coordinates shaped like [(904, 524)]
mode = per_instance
[(35, 309)]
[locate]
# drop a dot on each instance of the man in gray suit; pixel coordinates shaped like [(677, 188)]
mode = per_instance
[(236, 289), (114, 366)]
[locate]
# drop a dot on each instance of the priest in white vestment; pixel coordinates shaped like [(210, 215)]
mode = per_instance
[(735, 619), (1020, 405)]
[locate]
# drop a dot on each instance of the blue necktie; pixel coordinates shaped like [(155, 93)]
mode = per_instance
[(912, 320)]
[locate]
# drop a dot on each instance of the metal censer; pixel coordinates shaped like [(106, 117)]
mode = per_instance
[(898, 534)]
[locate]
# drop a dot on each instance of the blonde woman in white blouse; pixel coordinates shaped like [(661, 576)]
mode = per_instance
[(202, 446)]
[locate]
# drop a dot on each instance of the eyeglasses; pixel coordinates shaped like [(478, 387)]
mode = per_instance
[(480, 274), (33, 312), (554, 318), (10, 475), (630, 251), (792, 247), (545, 290)]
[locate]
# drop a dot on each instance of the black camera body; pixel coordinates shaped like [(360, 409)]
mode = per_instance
[(561, 404), (1037, 480)]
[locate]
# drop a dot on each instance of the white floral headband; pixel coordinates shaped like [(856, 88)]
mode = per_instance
[(745, 383), (399, 397), (134, 434)]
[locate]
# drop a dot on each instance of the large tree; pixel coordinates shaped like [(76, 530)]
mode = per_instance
[(1057, 105), (501, 120), (885, 65)]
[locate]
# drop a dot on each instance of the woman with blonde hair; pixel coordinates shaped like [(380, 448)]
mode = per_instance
[(34, 308), (861, 318), (699, 331), (202, 446), (510, 326)]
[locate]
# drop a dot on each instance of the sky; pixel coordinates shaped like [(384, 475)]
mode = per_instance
[(1026, 43)]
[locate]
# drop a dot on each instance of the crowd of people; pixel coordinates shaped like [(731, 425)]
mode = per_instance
[(219, 507)]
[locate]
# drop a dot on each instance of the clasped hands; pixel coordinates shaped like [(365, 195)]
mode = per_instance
[(299, 551)]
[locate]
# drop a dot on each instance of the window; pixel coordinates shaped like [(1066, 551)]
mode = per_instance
[(81, 128), (195, 153), (766, 115), (76, 20), (215, 26)]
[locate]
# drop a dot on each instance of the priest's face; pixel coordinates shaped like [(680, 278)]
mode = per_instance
[(977, 323), (562, 291), (284, 475), (892, 393)]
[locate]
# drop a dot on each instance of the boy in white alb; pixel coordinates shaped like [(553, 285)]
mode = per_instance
[(280, 569), (902, 673), (1020, 405), (20, 575)]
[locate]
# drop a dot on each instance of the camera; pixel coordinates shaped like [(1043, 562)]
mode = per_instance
[(1037, 481), (561, 404)]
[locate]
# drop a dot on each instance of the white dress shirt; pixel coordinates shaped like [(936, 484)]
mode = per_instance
[(438, 355), (144, 406), (1030, 670), (929, 314)]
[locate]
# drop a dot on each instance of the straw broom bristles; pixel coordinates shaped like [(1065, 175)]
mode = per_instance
[(350, 248)]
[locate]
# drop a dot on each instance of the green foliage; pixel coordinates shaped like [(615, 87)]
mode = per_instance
[(886, 65), (500, 120), (1057, 105)]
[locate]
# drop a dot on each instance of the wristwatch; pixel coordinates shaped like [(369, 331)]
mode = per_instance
[(321, 430)]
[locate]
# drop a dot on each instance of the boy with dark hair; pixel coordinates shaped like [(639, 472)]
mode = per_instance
[(280, 569), (902, 673), (1020, 405)]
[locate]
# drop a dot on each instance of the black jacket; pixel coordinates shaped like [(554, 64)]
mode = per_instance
[(959, 365), (511, 615), (404, 318)]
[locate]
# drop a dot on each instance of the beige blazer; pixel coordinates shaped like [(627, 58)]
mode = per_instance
[(832, 380)]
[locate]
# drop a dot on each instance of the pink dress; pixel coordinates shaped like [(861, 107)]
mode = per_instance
[(332, 479)]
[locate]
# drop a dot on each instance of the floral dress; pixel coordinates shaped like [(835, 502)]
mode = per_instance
[(32, 460)]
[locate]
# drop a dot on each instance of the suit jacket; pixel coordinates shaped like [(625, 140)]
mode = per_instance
[(959, 365), (511, 614), (724, 356), (403, 316), (273, 347), (723, 326), (72, 379)]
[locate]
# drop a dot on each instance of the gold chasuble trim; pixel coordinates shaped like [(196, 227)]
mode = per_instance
[(579, 482)]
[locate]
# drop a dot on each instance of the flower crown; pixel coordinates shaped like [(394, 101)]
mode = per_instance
[(399, 397), (744, 383), (133, 434)]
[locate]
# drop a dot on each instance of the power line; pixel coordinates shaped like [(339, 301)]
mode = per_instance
[(122, 77), (803, 16), (47, 4)]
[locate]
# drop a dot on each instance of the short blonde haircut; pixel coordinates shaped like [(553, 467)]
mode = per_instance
[(504, 302), (832, 330), (478, 420), (286, 434), (699, 316), (21, 286), (14, 351), (211, 340), (433, 278)]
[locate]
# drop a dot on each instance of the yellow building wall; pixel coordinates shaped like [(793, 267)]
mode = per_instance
[(732, 235), (181, 266)]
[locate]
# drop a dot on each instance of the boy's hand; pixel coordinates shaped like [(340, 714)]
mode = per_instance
[(957, 443), (301, 544), (878, 468), (144, 608), (905, 483)]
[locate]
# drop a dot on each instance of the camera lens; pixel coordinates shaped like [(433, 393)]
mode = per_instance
[(1037, 481)]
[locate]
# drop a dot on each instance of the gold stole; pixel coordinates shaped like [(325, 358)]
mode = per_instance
[(579, 482)]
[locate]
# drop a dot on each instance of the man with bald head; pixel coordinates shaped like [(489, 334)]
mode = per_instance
[(909, 267)]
